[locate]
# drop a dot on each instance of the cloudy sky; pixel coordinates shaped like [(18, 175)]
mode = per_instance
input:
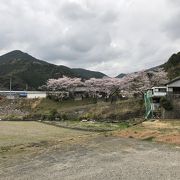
[(112, 36)]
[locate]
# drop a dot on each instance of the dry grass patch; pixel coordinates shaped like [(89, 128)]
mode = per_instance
[(173, 124), (23, 133), (162, 131)]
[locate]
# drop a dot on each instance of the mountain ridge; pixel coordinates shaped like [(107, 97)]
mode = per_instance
[(171, 66), (26, 70), (87, 74)]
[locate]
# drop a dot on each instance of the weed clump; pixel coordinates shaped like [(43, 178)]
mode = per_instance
[(166, 104)]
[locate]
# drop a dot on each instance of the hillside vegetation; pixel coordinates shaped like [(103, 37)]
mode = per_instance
[(87, 109), (26, 70), (87, 74), (47, 109), (29, 72), (172, 66)]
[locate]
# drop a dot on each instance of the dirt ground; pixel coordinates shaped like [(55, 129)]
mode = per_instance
[(100, 158), (167, 131), (79, 155)]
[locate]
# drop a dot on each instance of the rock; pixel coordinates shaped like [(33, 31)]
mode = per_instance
[(84, 120), (92, 120)]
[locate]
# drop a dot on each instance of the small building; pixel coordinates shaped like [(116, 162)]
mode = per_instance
[(23, 94), (36, 94), (152, 97), (157, 94), (173, 87), (11, 94), (159, 91)]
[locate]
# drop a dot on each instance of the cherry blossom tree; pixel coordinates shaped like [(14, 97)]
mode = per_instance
[(64, 83), (133, 83)]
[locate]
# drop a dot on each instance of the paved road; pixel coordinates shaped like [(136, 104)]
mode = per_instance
[(103, 158)]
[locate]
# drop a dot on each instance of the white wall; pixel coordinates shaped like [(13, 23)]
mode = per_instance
[(159, 91), (161, 94), (36, 94)]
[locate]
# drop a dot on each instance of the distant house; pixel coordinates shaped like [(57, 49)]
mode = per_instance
[(173, 87), (155, 93), (23, 94), (10, 94), (152, 97), (152, 100), (159, 91)]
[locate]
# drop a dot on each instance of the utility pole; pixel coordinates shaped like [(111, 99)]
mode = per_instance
[(10, 84), (26, 87)]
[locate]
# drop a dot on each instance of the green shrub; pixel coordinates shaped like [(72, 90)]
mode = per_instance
[(52, 114), (64, 116), (166, 104)]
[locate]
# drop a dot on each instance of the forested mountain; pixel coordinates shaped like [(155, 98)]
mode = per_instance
[(172, 66), (27, 71), (87, 74)]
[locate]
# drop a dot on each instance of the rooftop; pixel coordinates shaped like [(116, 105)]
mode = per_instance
[(173, 80)]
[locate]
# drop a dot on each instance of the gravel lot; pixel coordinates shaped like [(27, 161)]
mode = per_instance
[(98, 158)]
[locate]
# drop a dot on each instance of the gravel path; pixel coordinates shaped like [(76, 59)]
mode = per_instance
[(102, 158)]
